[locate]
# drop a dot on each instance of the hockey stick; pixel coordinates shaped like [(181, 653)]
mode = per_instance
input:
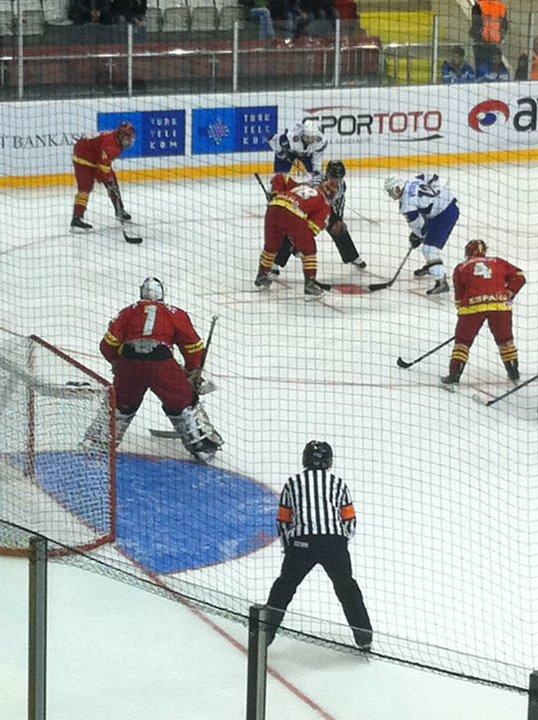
[(513, 390), (403, 364), (389, 283), (260, 182), (210, 386)]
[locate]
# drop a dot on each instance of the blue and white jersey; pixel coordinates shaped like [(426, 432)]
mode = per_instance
[(290, 145), (421, 201)]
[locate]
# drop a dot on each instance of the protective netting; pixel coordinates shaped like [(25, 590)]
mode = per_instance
[(50, 481), (445, 487)]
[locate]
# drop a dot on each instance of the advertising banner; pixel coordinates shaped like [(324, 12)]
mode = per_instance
[(205, 134)]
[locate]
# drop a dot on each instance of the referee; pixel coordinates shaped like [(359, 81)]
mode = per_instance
[(316, 518)]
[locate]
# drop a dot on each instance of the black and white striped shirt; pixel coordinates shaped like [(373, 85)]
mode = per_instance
[(315, 502)]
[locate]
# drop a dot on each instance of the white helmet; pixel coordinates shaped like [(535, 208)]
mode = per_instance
[(152, 289), (392, 184), (312, 130)]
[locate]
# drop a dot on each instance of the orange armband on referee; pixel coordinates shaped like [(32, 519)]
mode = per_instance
[(347, 512)]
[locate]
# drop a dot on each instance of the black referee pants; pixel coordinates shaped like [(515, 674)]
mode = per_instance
[(331, 552)]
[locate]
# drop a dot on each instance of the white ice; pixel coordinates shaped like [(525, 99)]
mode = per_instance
[(442, 483)]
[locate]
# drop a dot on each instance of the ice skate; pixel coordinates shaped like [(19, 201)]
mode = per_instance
[(77, 223), (274, 272), (123, 216), (513, 370), (312, 288), (421, 272), (358, 263), (441, 286), (263, 280)]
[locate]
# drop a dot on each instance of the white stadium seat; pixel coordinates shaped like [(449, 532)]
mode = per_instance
[(176, 16), (229, 14)]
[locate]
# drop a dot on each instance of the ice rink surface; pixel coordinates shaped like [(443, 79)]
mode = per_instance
[(442, 483)]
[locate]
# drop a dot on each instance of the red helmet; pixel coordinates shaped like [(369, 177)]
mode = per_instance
[(126, 135), (475, 248)]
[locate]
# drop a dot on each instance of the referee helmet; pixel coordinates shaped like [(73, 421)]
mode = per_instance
[(317, 455)]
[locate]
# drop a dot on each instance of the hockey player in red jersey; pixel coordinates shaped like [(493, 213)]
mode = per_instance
[(92, 160), (484, 289), (298, 212), (138, 344)]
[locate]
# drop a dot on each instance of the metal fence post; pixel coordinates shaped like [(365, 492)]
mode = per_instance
[(37, 629), (337, 51), (533, 696), (20, 51), (235, 57), (435, 47), (129, 59), (257, 662)]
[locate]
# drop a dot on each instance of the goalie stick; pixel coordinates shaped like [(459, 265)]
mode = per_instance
[(209, 386), (403, 364), (389, 283)]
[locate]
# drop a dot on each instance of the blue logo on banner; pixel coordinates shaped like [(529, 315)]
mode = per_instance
[(158, 132), (228, 130)]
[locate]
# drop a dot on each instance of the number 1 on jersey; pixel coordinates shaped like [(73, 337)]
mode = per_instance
[(151, 314)]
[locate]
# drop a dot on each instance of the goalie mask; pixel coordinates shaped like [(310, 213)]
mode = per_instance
[(317, 455), (152, 289)]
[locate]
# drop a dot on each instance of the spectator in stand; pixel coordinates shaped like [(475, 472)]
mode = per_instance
[(494, 69), (259, 9), (96, 12), (455, 69), (288, 13), (522, 72), (488, 29), (133, 11), (322, 11)]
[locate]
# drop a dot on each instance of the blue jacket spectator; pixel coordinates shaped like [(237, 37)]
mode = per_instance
[(455, 69), (493, 70)]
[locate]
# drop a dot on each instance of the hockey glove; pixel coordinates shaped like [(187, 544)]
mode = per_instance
[(415, 240)]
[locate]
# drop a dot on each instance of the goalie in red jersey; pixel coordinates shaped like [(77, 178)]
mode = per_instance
[(484, 289), (298, 212), (138, 344), (92, 160)]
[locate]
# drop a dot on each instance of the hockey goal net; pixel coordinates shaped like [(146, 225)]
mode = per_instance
[(51, 481)]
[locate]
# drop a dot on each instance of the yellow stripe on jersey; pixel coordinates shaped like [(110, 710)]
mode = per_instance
[(111, 340), (81, 161), (194, 347), (485, 307)]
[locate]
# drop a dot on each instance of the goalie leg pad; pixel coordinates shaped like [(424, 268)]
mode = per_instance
[(97, 435), (196, 431)]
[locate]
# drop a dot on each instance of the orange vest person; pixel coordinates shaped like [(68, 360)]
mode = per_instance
[(92, 161), (494, 19)]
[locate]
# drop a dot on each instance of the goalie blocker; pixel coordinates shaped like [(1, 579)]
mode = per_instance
[(138, 344)]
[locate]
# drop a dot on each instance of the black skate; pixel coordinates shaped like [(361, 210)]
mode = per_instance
[(205, 449), (425, 269), (421, 272), (513, 370), (358, 263), (274, 272), (441, 286), (450, 380), (263, 280), (123, 216), (313, 288), (363, 640), (77, 223)]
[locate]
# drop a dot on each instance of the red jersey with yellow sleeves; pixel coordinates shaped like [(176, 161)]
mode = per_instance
[(98, 153), (152, 320), (486, 284), (302, 200)]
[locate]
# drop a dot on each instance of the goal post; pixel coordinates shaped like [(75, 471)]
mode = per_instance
[(50, 479)]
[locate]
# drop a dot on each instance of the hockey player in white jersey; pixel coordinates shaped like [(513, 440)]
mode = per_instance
[(304, 143), (431, 211)]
